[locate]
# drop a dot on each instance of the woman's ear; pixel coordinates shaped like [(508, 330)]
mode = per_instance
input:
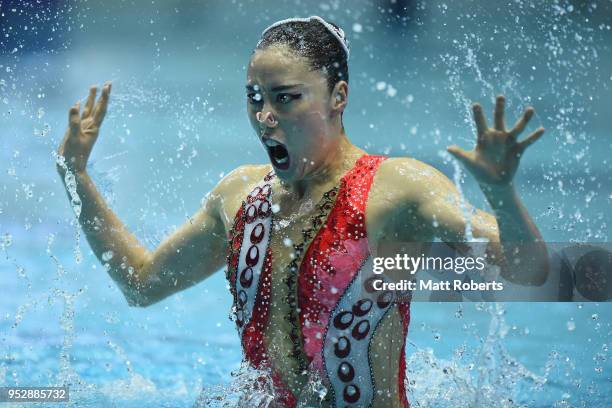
[(339, 97)]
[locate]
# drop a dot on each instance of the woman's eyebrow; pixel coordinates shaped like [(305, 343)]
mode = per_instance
[(284, 87), (251, 88)]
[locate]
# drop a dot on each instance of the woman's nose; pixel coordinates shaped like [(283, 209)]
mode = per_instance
[(266, 119)]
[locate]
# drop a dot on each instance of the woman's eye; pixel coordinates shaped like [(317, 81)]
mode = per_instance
[(286, 98), (254, 97)]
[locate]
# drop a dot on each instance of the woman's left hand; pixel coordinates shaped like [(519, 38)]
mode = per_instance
[(497, 154)]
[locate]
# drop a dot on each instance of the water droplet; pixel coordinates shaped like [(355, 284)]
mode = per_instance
[(107, 256)]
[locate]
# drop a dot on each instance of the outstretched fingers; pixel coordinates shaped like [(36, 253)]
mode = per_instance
[(522, 122), (73, 126), (532, 138), (100, 108), (479, 118), (90, 101), (498, 115), (74, 121)]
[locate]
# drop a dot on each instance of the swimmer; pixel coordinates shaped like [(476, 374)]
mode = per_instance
[(298, 235)]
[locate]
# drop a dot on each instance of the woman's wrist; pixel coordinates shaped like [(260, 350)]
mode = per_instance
[(499, 195)]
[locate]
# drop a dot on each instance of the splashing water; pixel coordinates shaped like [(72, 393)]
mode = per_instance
[(555, 60), (249, 387), (463, 203), (75, 203), (491, 378), (479, 377)]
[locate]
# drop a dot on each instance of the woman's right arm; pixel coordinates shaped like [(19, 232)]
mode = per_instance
[(189, 255)]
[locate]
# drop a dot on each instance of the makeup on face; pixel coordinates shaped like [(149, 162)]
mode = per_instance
[(286, 103), (267, 122)]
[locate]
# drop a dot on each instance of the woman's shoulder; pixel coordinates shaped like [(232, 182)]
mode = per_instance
[(406, 176), (407, 168), (242, 178), (234, 187)]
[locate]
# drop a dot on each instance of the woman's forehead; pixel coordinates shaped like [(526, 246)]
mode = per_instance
[(275, 66)]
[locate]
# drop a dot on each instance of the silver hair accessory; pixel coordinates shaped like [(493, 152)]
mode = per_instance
[(337, 32)]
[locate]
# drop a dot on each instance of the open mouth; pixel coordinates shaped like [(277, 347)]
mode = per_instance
[(279, 155)]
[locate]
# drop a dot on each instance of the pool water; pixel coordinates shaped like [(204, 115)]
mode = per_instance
[(176, 124)]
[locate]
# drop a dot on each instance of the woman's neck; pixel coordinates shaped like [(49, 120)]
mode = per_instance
[(336, 164)]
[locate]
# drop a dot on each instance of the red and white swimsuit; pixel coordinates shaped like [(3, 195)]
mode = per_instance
[(335, 311)]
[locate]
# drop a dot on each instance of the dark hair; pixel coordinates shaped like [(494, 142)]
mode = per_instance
[(316, 43)]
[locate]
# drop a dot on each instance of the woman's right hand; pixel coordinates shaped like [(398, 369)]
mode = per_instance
[(83, 130)]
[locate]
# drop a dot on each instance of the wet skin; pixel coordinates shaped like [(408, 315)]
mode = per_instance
[(290, 106)]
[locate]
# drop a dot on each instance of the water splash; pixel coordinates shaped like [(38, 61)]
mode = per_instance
[(67, 375), (75, 202), (248, 388), (474, 377), (466, 209), (492, 377)]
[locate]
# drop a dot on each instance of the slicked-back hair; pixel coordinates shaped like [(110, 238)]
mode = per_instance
[(313, 41)]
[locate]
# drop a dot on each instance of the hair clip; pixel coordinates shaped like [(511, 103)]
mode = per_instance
[(336, 32)]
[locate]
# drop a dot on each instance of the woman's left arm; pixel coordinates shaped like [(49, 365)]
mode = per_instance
[(494, 162)]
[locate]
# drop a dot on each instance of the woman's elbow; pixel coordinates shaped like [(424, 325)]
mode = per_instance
[(139, 291), (137, 298)]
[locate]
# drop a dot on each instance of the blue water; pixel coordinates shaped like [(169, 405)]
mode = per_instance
[(176, 124)]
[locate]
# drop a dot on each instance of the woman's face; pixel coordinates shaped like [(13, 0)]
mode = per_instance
[(290, 109)]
